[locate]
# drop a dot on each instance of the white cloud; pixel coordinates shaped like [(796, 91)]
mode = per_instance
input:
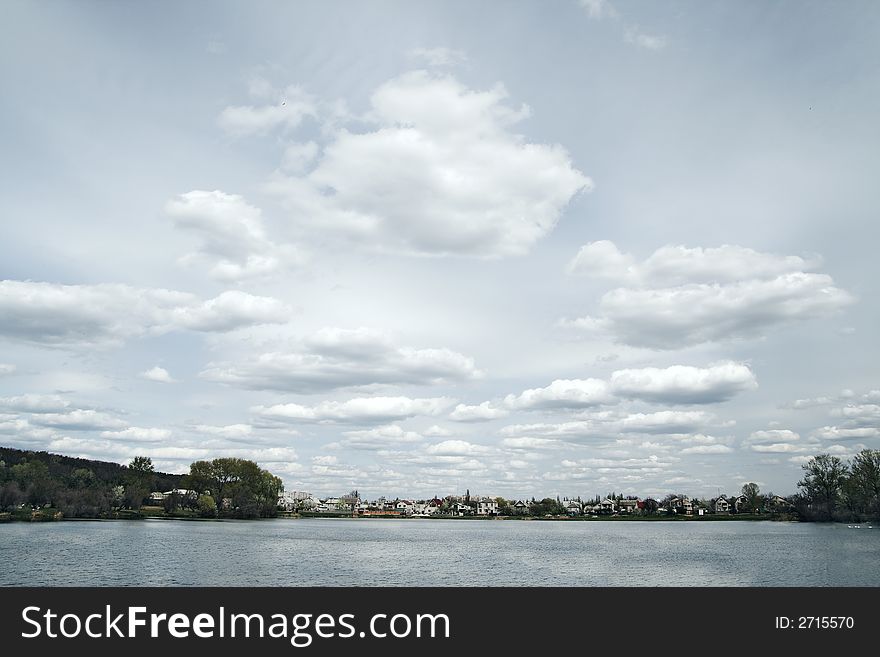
[(603, 425), (233, 241), (360, 410), (35, 403), (681, 384), (674, 265), (562, 393), (456, 448), (138, 434), (286, 111), (325, 460), (774, 436), (6, 369), (841, 433), (707, 449), (447, 175), (638, 37), (479, 413), (780, 448), (439, 56), (157, 374), (70, 315), (79, 420), (383, 437), (712, 294), (342, 358), (529, 443), (225, 431), (598, 9)]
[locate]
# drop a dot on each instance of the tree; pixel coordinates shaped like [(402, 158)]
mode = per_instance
[(250, 490), (753, 499), (862, 488), (824, 476), (141, 465), (139, 481), (650, 506)]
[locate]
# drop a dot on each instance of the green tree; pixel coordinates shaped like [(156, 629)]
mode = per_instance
[(139, 482), (824, 476), (239, 487), (863, 484), (753, 498), (206, 506)]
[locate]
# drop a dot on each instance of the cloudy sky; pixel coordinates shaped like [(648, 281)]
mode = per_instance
[(524, 248)]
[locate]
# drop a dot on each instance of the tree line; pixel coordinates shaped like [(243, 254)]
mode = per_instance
[(82, 488), (833, 489)]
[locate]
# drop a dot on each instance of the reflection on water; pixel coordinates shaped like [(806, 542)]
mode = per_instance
[(328, 552)]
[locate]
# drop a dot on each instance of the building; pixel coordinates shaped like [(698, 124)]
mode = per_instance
[(520, 508), (607, 506), (628, 505), (487, 508), (722, 505)]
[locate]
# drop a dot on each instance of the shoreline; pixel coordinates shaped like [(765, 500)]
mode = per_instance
[(618, 518)]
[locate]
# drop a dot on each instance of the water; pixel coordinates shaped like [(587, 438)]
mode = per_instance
[(343, 552)]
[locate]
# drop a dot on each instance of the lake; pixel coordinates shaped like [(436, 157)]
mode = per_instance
[(345, 552)]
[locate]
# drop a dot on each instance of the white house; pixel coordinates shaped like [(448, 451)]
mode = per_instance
[(487, 508)]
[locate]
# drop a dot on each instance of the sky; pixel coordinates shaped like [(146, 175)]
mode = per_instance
[(521, 248)]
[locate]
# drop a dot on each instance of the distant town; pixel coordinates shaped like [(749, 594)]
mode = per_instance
[(467, 505), (44, 486)]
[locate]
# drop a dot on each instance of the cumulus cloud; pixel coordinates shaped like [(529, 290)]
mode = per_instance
[(360, 410), (447, 175), (843, 433), (343, 358), (707, 449), (562, 393), (674, 265), (138, 434), (157, 374), (456, 448), (384, 437), (6, 368), (439, 56), (681, 384), (232, 431), (478, 413), (233, 241), (603, 425), (72, 315), (79, 420), (31, 403), (774, 436), (680, 296), (284, 110)]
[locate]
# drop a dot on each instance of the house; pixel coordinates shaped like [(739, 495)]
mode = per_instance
[(740, 505), (681, 506), (460, 509), (573, 508), (520, 508), (628, 505), (607, 506), (487, 508), (722, 505), (406, 507)]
